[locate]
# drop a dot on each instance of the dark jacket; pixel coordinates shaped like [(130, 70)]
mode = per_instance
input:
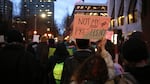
[(18, 66), (72, 63), (141, 74)]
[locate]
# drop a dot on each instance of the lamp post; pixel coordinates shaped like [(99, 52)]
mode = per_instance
[(35, 24)]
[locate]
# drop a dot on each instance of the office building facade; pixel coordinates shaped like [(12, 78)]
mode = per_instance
[(39, 15), (125, 15), (6, 10)]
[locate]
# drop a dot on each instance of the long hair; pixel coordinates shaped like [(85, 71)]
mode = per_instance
[(93, 69)]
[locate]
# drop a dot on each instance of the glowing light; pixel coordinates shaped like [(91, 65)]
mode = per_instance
[(35, 32), (43, 15), (115, 38)]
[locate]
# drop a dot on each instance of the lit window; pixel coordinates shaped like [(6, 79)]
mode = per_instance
[(25, 5), (103, 8), (42, 5), (78, 7), (40, 0), (89, 7), (82, 7), (49, 12), (130, 16), (112, 22), (30, 0), (96, 14), (48, 0), (36, 5), (40, 10), (120, 20)]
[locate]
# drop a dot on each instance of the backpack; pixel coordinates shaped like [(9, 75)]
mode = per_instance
[(57, 72), (125, 78)]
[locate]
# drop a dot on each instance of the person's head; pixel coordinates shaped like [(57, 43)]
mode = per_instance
[(13, 36), (43, 39), (134, 50), (61, 51), (82, 43), (51, 42), (93, 68)]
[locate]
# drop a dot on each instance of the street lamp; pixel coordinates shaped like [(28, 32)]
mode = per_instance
[(35, 25), (43, 15)]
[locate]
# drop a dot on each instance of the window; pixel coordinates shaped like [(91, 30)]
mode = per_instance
[(132, 17), (42, 5), (25, 5), (36, 5), (132, 12), (48, 0), (120, 20), (112, 23), (30, 0)]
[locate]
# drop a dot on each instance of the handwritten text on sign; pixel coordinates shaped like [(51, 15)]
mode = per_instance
[(90, 27)]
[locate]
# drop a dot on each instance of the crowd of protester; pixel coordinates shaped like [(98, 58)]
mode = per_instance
[(76, 62)]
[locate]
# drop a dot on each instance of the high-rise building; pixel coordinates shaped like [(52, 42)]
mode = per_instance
[(39, 15), (6, 10)]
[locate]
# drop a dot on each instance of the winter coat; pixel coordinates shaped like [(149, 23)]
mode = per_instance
[(18, 66)]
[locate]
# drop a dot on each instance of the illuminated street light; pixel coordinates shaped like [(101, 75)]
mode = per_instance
[(43, 15), (48, 29), (35, 32), (35, 24)]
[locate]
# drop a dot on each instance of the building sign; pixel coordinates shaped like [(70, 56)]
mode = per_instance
[(90, 27)]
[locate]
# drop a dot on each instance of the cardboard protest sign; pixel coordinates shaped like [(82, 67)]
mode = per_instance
[(90, 27)]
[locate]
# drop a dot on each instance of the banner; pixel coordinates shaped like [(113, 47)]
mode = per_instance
[(90, 27)]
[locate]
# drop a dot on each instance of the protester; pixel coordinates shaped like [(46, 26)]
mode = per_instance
[(135, 53), (92, 71), (111, 48), (32, 48), (58, 58), (17, 65), (43, 50), (72, 63), (107, 57)]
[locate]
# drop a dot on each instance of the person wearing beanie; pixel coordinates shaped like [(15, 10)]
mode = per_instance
[(136, 56)]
